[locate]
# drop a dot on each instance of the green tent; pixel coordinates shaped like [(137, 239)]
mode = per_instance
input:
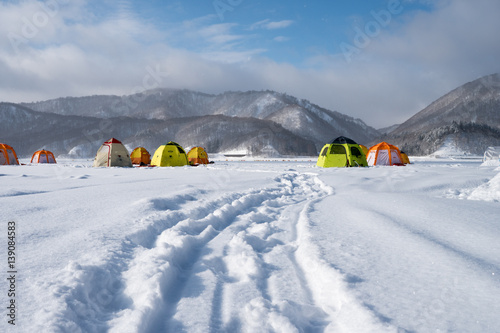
[(341, 152)]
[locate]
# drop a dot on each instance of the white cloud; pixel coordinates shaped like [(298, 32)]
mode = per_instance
[(219, 34), (232, 57), (281, 39), (271, 25), (278, 25), (216, 29)]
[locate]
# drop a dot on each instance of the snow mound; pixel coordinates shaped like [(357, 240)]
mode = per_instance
[(489, 191), (449, 149)]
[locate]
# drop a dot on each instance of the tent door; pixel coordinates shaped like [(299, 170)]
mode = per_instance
[(103, 156), (357, 157), (383, 157), (338, 156), (395, 157)]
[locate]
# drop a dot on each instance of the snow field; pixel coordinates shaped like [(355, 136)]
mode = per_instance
[(415, 260), (256, 247)]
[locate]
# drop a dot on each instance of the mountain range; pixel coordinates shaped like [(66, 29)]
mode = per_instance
[(261, 123)]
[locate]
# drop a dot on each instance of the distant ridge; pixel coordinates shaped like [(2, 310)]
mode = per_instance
[(468, 116), (259, 122)]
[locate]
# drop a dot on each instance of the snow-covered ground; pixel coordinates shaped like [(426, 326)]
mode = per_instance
[(253, 246)]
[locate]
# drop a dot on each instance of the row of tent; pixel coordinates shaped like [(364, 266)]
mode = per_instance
[(113, 153), (8, 156), (341, 152), (344, 152)]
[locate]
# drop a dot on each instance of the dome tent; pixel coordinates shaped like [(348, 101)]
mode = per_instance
[(341, 152), (492, 156), (384, 154), (404, 157), (170, 154), (43, 156), (197, 155), (8, 155), (140, 156), (364, 149), (112, 153)]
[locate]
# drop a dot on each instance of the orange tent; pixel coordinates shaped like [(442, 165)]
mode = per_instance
[(384, 154), (43, 156), (197, 155), (364, 149), (8, 155), (140, 156)]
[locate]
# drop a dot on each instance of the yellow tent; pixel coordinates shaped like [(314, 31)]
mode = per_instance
[(197, 155), (341, 152), (170, 154), (140, 156), (364, 149), (404, 158)]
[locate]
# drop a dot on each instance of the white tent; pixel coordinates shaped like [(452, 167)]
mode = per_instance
[(112, 154), (492, 156)]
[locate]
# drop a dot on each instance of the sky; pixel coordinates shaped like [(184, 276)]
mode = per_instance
[(381, 60)]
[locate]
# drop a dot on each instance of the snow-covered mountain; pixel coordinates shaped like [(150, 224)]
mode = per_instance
[(467, 117), (78, 136), (257, 122), (302, 118)]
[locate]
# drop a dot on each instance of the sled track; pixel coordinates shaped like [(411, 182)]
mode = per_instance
[(244, 261)]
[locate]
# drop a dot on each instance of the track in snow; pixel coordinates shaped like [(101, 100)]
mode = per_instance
[(244, 261)]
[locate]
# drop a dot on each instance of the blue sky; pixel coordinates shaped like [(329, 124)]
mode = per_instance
[(380, 60), (285, 31)]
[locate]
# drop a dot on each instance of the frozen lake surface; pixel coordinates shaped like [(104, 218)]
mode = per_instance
[(254, 246)]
